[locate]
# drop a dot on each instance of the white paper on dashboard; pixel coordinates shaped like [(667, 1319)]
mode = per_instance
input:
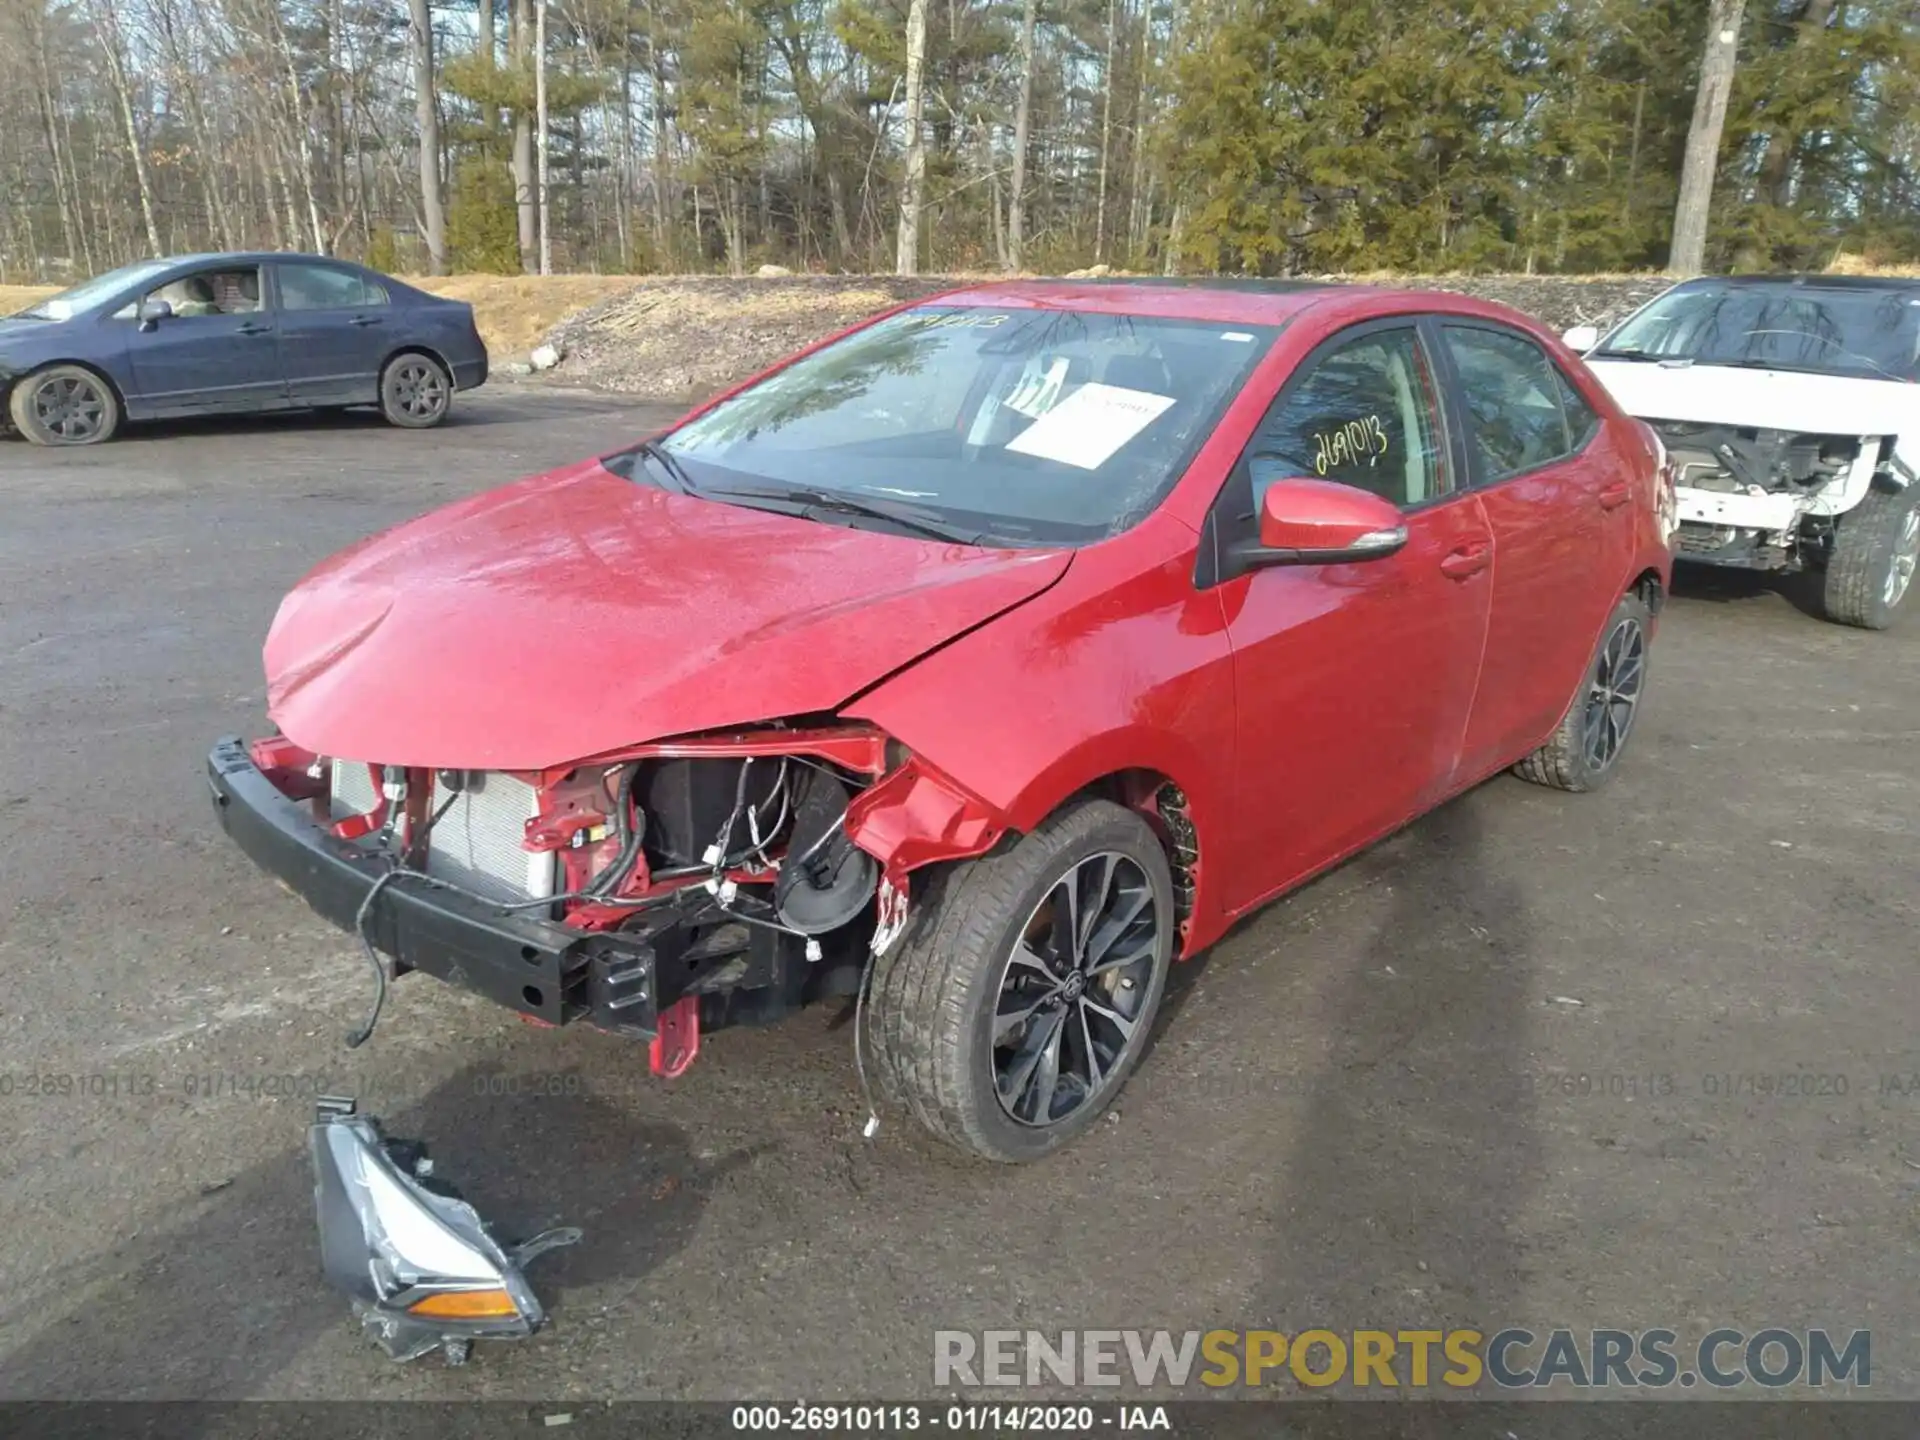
[(1090, 424)]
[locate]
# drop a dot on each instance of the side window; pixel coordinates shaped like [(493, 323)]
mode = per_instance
[(211, 292), (325, 287), (1581, 421), (1521, 411), (1363, 415)]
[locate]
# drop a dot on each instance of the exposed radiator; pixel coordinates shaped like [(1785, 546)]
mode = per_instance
[(477, 842)]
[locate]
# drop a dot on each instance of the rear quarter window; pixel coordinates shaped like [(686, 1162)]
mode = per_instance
[(1522, 411)]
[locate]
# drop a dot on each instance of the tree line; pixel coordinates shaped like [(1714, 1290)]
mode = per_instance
[(1255, 136)]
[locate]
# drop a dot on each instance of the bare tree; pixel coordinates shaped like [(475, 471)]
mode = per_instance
[(106, 27), (1106, 136), (520, 25), (540, 130), (1022, 117), (913, 193), (1688, 253), (426, 100)]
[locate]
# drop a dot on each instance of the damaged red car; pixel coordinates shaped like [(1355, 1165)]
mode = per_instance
[(979, 663)]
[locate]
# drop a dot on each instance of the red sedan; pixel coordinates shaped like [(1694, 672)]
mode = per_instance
[(976, 664)]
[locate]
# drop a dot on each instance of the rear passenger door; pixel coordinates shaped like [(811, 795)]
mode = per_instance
[(335, 327), (1560, 532)]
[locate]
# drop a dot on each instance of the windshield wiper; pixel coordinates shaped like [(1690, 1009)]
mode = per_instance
[(1634, 353), (622, 464), (1843, 372), (906, 517)]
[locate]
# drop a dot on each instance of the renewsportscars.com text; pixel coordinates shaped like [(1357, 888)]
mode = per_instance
[(1771, 1357)]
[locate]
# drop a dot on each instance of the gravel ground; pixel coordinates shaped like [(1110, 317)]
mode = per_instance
[(1520, 1065), (675, 340)]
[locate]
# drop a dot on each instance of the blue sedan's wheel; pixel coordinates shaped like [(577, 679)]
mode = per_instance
[(65, 405), (415, 392)]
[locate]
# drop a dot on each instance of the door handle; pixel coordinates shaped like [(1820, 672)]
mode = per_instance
[(1612, 497), (362, 321), (255, 330), (1469, 559)]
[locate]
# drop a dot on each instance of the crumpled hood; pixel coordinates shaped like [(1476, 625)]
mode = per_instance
[(577, 612), (1764, 399)]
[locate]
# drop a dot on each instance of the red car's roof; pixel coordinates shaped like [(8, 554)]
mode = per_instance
[(1247, 302), (1265, 302)]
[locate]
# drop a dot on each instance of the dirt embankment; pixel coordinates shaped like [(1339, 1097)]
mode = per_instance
[(682, 338), (679, 338)]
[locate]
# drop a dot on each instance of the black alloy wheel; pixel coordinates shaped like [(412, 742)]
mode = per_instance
[(1074, 989)]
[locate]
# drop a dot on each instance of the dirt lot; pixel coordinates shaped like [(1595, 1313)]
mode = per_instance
[(1519, 1066)]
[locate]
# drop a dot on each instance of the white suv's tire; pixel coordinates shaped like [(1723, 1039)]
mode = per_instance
[(1876, 549)]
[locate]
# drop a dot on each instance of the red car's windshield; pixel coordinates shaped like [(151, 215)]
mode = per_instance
[(1008, 426)]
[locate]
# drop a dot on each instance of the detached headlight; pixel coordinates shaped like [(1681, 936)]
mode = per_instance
[(419, 1264)]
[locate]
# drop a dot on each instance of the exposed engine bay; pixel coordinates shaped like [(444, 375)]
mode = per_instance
[(681, 887), (1767, 499)]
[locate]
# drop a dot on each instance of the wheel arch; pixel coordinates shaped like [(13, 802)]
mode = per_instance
[(1167, 808), (92, 367), (919, 816), (416, 347), (1651, 587)]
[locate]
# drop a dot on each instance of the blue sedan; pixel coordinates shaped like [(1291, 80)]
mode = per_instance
[(231, 334)]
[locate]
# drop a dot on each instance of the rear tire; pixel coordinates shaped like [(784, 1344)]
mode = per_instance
[(1586, 747), (64, 405), (1876, 547), (982, 1024), (415, 391)]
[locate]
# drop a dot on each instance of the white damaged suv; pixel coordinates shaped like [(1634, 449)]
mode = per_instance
[(1790, 410)]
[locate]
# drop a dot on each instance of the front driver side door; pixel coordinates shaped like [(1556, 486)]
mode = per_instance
[(214, 354), (1353, 683)]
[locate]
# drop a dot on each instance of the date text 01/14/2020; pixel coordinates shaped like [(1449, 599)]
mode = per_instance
[(984, 1419)]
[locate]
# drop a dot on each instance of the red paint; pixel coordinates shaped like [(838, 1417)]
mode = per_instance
[(915, 817), (1307, 514), (676, 1039), (575, 613), (1304, 710)]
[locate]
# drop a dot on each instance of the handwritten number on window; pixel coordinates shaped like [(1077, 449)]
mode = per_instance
[(1349, 444)]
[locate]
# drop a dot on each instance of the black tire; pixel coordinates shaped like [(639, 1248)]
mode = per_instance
[(1585, 748), (938, 994), (64, 405), (1875, 549), (415, 391)]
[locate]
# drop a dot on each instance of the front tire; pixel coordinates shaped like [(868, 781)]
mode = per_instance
[(64, 405), (415, 391), (1011, 1013), (1585, 749), (1876, 549)]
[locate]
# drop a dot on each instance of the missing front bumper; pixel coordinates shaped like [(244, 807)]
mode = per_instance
[(542, 969)]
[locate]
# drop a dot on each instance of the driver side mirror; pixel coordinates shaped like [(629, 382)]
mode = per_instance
[(1321, 522), (152, 312), (1581, 338)]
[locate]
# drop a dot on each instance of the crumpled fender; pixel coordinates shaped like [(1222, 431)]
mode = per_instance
[(916, 816)]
